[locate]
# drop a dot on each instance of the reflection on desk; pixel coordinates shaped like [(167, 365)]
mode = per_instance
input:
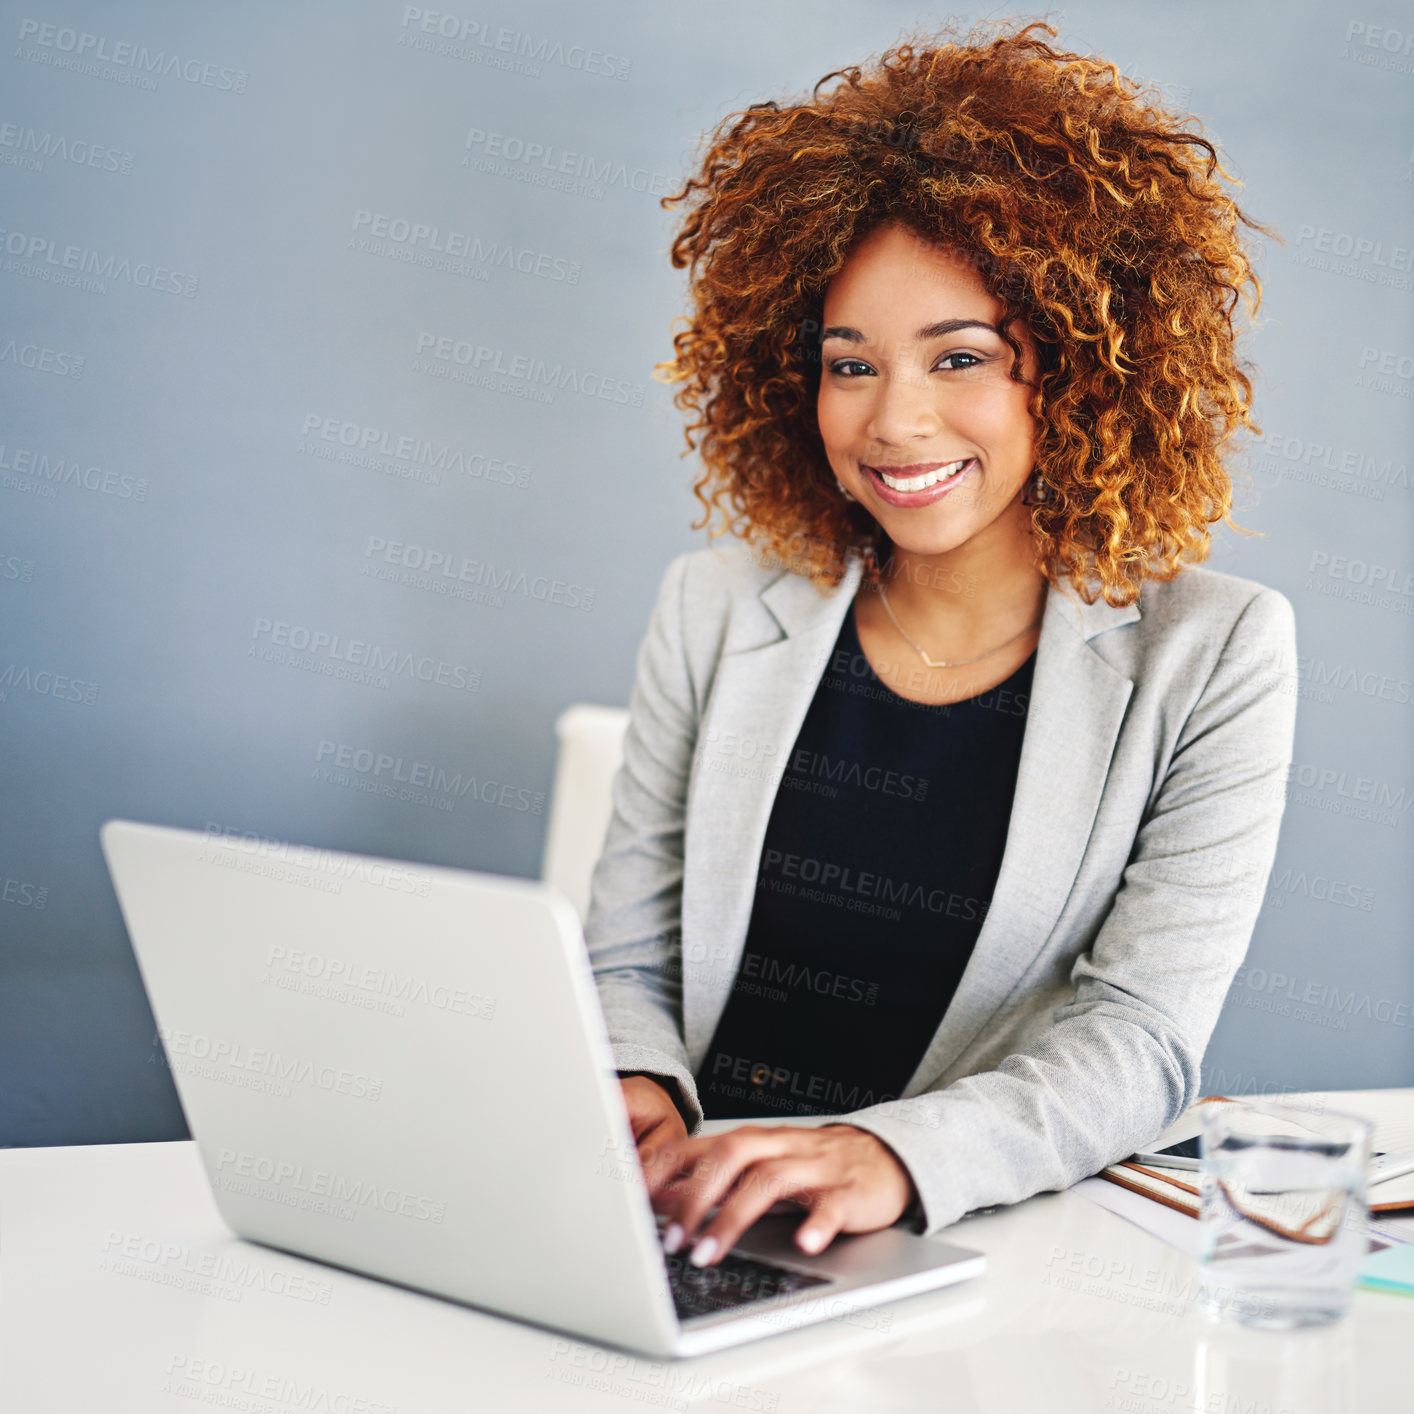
[(122, 1291)]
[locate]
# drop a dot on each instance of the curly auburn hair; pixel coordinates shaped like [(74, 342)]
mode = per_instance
[(1087, 208)]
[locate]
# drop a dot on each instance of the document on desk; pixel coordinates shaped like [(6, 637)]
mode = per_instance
[(1164, 1201), (1169, 1225), (1391, 1113)]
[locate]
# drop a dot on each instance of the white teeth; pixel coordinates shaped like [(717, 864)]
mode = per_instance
[(922, 483)]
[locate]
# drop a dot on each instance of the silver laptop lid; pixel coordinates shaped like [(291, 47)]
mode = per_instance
[(398, 1068)]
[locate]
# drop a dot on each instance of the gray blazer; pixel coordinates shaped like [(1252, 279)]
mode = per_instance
[(1148, 800)]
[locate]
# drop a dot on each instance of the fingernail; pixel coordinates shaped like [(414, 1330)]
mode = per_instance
[(703, 1253), (672, 1238), (812, 1239)]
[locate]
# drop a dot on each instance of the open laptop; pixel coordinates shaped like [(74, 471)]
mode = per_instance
[(403, 1070)]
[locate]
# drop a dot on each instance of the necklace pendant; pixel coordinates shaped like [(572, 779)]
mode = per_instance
[(938, 663)]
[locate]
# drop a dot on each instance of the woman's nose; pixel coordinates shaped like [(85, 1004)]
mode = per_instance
[(905, 409)]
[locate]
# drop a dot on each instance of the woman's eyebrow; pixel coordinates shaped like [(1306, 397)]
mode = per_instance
[(928, 331)]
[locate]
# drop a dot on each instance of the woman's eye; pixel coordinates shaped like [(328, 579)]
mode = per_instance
[(842, 366)]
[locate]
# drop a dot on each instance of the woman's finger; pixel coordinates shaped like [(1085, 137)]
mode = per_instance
[(667, 1160), (647, 1103), (828, 1215), (715, 1171), (681, 1155), (653, 1135), (762, 1186)]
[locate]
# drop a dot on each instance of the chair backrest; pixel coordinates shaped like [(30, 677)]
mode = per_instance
[(589, 752)]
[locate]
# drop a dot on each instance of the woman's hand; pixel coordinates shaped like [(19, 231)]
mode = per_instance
[(850, 1181), (651, 1112)]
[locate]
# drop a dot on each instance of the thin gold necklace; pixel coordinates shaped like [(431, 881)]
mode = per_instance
[(959, 663)]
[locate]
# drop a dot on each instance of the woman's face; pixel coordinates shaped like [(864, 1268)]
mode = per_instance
[(913, 380)]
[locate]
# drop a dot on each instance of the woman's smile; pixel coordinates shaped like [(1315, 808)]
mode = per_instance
[(919, 484)]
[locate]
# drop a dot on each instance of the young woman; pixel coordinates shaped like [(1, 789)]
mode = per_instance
[(951, 786)]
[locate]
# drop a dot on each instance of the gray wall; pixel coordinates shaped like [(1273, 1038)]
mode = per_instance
[(179, 508)]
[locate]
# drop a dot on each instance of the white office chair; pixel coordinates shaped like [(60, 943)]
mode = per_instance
[(589, 752)]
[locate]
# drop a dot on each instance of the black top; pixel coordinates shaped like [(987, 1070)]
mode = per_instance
[(877, 869)]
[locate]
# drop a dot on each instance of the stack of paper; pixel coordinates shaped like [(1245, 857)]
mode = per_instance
[(1390, 1111), (1390, 1264), (1174, 1188)]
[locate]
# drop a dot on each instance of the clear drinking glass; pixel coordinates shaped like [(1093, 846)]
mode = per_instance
[(1283, 1221)]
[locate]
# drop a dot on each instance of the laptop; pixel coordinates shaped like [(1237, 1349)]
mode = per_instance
[(403, 1070)]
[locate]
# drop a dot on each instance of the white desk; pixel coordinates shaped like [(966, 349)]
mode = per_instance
[(104, 1309)]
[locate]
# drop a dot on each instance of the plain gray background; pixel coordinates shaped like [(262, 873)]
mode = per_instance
[(180, 513)]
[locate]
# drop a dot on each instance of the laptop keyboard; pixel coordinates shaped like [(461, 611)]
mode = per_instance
[(733, 1281)]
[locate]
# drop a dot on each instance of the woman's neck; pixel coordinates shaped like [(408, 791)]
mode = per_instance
[(965, 596)]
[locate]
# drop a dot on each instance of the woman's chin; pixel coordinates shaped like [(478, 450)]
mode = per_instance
[(916, 539)]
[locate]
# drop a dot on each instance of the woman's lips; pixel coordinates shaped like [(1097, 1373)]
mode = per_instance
[(911, 500)]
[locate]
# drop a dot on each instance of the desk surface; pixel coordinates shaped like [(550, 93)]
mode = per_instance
[(122, 1290)]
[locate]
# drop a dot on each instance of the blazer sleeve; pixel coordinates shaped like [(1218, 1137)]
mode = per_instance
[(633, 928), (1118, 1063)]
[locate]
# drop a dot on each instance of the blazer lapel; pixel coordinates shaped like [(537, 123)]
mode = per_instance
[(1072, 723), (764, 688), (762, 693)]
